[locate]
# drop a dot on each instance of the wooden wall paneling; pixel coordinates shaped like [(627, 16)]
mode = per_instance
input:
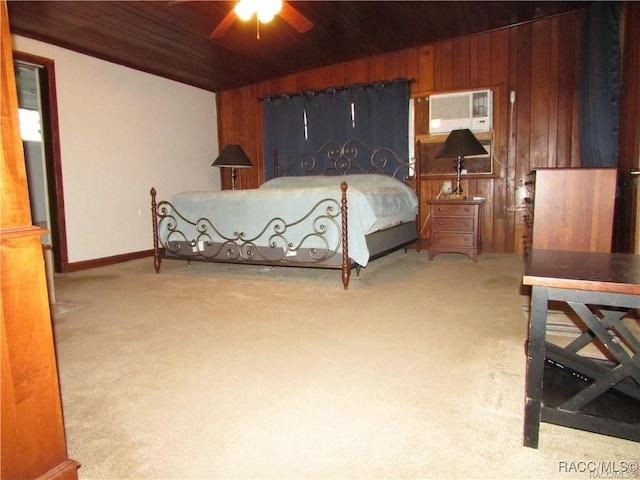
[(539, 127), (441, 51), (555, 71), (404, 69), (498, 217), (252, 137), (421, 118), (513, 204), (474, 60), (575, 148), (375, 69), (245, 136), (485, 58), (536, 60), (411, 66), (261, 91), (492, 189), (461, 66), (311, 81), (257, 174), (523, 102), (359, 70), (493, 236), (627, 228), (425, 80), (225, 129), (567, 31), (334, 76), (524, 92), (567, 102), (378, 68)]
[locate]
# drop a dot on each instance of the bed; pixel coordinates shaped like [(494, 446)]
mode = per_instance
[(339, 207)]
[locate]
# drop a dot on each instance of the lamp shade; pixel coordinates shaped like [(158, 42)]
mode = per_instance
[(461, 143), (232, 156)]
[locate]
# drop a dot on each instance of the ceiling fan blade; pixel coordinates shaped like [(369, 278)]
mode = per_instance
[(294, 18), (224, 25)]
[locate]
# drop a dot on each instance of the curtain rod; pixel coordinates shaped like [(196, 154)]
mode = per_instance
[(335, 89)]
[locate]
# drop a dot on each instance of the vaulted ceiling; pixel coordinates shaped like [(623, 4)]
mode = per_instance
[(172, 38)]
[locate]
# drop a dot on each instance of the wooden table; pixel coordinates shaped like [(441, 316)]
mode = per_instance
[(566, 387)]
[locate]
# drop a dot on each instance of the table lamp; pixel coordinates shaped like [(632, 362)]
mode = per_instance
[(233, 157), (459, 144)]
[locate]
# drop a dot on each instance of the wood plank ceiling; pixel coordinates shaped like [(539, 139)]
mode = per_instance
[(172, 38)]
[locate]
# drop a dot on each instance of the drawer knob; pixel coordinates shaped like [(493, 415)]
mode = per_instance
[(466, 224), (466, 209)]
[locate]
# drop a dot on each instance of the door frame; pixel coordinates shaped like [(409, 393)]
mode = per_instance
[(52, 157)]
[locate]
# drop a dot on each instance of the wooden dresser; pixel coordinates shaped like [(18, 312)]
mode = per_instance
[(33, 437), (573, 209), (456, 227)]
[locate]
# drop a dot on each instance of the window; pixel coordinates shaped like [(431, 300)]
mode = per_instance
[(30, 128)]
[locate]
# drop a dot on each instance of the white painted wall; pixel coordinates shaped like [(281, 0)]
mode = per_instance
[(121, 132)]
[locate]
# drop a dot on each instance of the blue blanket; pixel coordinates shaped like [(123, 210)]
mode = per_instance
[(289, 199)]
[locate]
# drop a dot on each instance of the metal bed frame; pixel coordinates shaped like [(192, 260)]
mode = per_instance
[(327, 215)]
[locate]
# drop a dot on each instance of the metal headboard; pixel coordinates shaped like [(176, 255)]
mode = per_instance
[(351, 157)]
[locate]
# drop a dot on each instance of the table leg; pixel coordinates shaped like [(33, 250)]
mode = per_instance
[(535, 364)]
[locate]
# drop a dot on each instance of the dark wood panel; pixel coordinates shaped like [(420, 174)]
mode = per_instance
[(542, 96), (544, 113), (567, 143), (568, 216), (628, 203), (171, 38)]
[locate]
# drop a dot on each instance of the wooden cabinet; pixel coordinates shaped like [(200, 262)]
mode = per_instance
[(455, 227), (33, 438), (573, 209)]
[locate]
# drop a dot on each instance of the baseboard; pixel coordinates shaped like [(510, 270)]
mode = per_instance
[(104, 261)]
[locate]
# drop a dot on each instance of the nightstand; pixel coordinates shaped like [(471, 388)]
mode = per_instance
[(455, 227)]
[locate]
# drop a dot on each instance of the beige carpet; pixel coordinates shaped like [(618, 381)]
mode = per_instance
[(227, 372)]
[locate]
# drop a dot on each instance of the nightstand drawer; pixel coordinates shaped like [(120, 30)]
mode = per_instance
[(453, 240), (455, 227), (456, 224), (454, 210)]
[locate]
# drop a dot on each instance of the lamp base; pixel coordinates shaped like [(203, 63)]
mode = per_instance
[(457, 196)]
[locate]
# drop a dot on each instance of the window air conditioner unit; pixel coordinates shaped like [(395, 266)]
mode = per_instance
[(451, 111)]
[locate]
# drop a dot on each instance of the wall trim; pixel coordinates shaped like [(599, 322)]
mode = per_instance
[(112, 260)]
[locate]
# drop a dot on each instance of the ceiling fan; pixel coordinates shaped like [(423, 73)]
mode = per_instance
[(264, 10)]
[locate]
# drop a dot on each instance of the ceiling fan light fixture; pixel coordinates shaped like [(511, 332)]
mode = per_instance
[(245, 9), (265, 17), (264, 9)]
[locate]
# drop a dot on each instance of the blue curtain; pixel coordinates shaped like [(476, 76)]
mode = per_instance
[(328, 117), (376, 114), (284, 129), (382, 115), (600, 86)]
